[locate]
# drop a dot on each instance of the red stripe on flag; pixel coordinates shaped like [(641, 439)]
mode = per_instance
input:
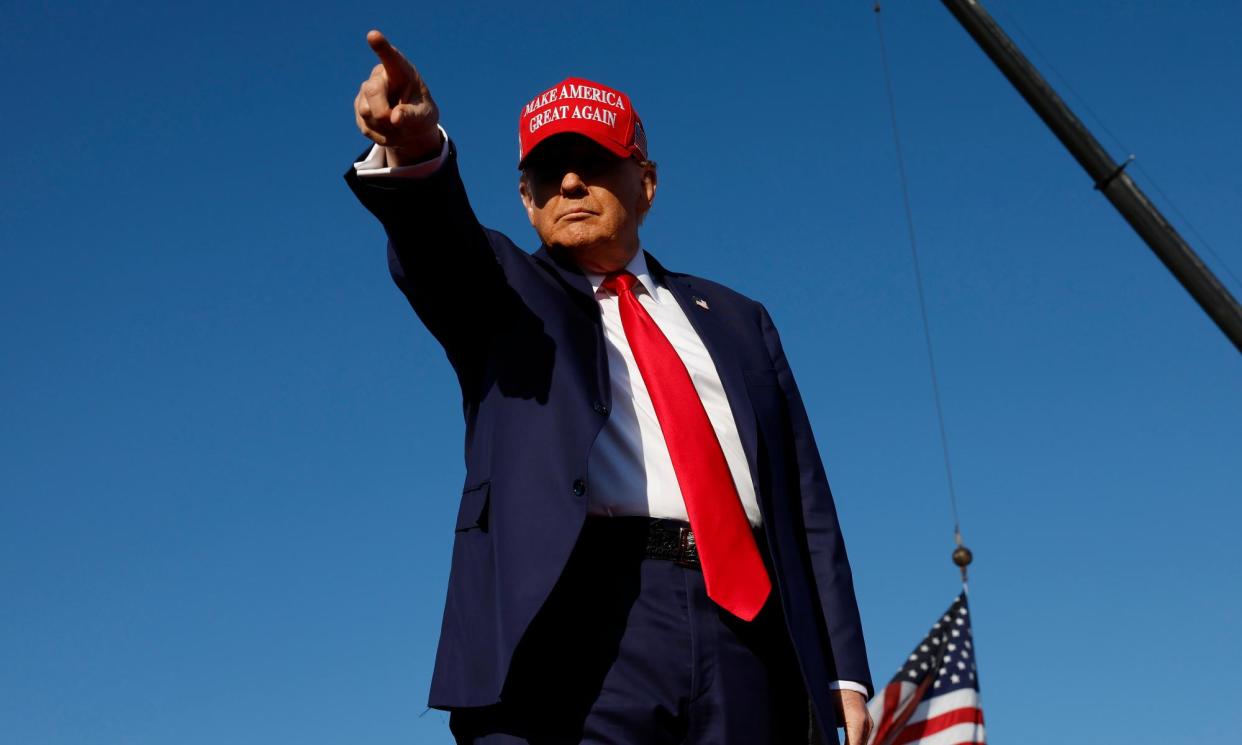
[(919, 730), (892, 697), (908, 707)]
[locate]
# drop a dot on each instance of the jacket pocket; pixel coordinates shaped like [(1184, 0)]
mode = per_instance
[(473, 512)]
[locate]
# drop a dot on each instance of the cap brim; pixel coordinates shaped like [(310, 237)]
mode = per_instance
[(566, 127)]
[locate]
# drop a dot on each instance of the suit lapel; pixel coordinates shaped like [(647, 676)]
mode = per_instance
[(718, 339), (588, 327)]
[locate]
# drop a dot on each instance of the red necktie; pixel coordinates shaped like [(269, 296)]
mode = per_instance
[(732, 568)]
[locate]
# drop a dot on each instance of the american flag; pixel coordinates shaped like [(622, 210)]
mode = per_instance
[(934, 698)]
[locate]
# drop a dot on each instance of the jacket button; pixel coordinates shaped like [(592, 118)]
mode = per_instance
[(600, 407), (579, 487)]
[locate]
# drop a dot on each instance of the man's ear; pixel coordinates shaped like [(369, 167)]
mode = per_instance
[(650, 181), (528, 199)]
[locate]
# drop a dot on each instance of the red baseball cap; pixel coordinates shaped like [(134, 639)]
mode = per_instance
[(603, 114)]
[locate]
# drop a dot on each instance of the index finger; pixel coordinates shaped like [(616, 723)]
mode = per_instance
[(395, 63)]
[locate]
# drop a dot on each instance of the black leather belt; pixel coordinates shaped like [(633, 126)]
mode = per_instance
[(652, 537)]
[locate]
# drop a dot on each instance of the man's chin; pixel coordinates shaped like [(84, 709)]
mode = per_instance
[(592, 256), (576, 240)]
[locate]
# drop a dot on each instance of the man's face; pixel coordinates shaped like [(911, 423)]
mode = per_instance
[(582, 198)]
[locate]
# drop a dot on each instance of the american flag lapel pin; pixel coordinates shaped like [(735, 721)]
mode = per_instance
[(701, 303)]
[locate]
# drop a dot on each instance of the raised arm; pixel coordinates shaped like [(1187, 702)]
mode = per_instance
[(438, 254)]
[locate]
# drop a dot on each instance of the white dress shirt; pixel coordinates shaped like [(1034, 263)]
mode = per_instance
[(629, 466)]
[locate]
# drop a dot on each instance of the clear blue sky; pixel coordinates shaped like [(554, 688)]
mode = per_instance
[(230, 456)]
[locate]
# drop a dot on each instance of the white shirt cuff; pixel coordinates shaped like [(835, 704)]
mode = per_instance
[(376, 164), (848, 685)]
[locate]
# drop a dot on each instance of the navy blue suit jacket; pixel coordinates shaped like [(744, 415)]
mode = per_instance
[(524, 336)]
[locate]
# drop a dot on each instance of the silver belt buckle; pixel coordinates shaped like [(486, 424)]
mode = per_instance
[(686, 555)]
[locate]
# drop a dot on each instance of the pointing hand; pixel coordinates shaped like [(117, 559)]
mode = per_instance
[(394, 109)]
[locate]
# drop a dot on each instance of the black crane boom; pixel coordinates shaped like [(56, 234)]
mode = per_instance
[(1109, 177)]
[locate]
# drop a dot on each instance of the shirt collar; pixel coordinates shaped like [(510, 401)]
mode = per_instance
[(638, 267)]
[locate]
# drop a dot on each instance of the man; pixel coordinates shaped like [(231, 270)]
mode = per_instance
[(646, 550)]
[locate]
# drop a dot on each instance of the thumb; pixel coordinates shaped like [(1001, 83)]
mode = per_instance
[(401, 113)]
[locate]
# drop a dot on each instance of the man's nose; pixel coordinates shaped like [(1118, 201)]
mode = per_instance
[(572, 183)]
